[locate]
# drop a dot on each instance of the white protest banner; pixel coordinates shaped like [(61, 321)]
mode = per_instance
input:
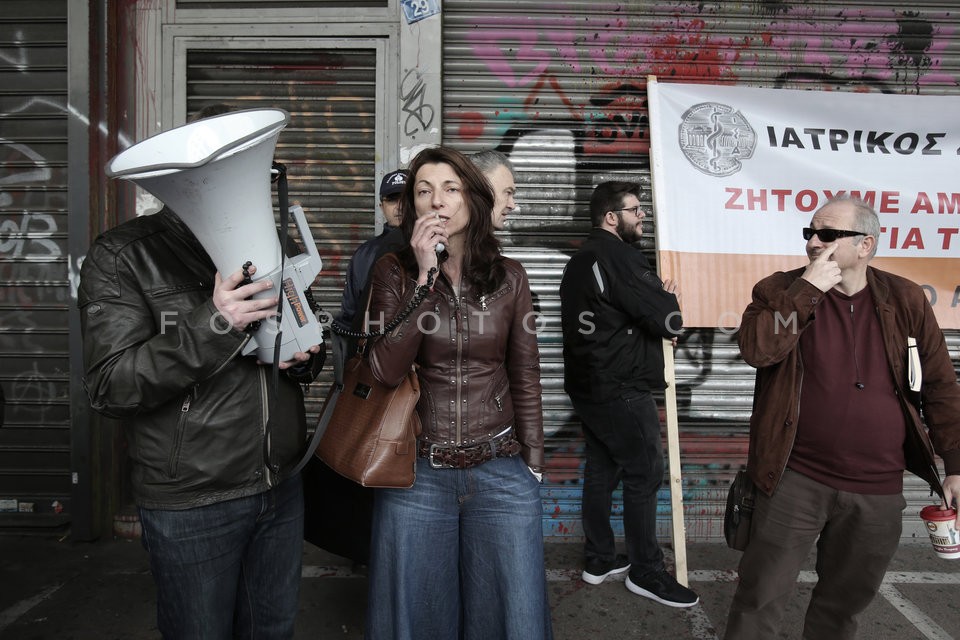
[(739, 171)]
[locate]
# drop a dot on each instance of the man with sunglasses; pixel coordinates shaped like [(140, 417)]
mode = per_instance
[(835, 422), (615, 313)]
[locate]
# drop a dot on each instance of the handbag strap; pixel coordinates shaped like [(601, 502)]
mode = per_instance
[(321, 428), (331, 404), (274, 390)]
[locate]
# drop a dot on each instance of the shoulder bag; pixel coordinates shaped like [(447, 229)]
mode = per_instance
[(739, 512), (371, 436)]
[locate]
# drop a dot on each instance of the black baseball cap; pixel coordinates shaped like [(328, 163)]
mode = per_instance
[(393, 182)]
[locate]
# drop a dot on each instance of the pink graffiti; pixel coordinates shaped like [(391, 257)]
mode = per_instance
[(684, 41), (610, 52), (518, 50)]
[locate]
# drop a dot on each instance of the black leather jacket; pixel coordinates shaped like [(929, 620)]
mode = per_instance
[(159, 357), (615, 314)]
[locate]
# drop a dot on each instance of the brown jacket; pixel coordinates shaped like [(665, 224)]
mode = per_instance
[(783, 306), (477, 357)]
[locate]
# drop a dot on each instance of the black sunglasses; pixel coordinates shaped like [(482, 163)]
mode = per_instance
[(829, 235)]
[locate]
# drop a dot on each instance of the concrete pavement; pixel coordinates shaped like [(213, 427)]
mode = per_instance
[(51, 589)]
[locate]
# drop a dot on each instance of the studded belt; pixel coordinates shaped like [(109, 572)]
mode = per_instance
[(441, 457)]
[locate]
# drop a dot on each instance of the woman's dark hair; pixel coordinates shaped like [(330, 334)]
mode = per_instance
[(482, 263)]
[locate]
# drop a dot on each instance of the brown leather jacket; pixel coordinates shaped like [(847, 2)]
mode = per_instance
[(477, 357), (769, 340)]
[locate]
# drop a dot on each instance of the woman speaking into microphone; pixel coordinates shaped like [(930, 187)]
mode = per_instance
[(460, 554)]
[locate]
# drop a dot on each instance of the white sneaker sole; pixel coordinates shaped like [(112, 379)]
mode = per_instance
[(589, 578), (652, 596)]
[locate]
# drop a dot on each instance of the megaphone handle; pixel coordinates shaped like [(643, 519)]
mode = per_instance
[(306, 236)]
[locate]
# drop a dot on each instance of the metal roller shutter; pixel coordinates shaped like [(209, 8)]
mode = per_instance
[(277, 4), (561, 86), (35, 485)]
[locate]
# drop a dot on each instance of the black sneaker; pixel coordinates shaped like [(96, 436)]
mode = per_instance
[(599, 570), (663, 588)]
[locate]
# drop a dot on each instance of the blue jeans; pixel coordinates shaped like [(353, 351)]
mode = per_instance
[(622, 444), (459, 555), (229, 569)]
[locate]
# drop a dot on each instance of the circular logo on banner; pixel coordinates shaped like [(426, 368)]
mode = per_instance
[(715, 138)]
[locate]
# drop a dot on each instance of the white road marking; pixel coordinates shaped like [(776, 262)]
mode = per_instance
[(10, 615), (921, 621)]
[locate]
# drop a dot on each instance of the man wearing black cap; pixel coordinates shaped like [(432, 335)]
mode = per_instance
[(366, 254)]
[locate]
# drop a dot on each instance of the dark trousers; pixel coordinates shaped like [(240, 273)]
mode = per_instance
[(622, 445), (230, 569), (856, 536), (338, 512)]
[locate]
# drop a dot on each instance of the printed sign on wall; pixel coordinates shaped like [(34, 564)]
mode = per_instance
[(739, 171)]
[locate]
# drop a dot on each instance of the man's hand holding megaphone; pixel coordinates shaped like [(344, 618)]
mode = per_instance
[(236, 304)]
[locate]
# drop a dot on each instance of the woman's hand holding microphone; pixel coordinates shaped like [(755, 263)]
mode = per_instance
[(428, 241)]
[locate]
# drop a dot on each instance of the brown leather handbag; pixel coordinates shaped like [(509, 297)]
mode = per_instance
[(372, 434)]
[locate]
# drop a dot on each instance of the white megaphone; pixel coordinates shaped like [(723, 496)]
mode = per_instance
[(215, 174)]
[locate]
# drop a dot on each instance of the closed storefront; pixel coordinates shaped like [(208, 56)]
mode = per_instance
[(35, 481), (330, 67), (561, 87)]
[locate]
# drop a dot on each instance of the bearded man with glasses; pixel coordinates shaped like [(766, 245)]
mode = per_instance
[(615, 313), (835, 422)]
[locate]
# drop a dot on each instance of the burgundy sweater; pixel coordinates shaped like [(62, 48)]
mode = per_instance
[(851, 428)]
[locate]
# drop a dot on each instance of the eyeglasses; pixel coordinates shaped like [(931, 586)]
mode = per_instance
[(634, 210), (829, 235)]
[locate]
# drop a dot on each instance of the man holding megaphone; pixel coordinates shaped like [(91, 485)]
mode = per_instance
[(213, 441)]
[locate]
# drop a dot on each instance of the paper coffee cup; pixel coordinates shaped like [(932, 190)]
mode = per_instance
[(941, 525)]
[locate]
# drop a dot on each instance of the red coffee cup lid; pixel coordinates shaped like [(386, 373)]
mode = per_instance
[(933, 512)]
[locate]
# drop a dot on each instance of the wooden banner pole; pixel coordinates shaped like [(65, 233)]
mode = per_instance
[(673, 457), (670, 395)]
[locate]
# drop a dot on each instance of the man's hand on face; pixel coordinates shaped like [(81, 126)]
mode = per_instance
[(233, 301), (823, 272)]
